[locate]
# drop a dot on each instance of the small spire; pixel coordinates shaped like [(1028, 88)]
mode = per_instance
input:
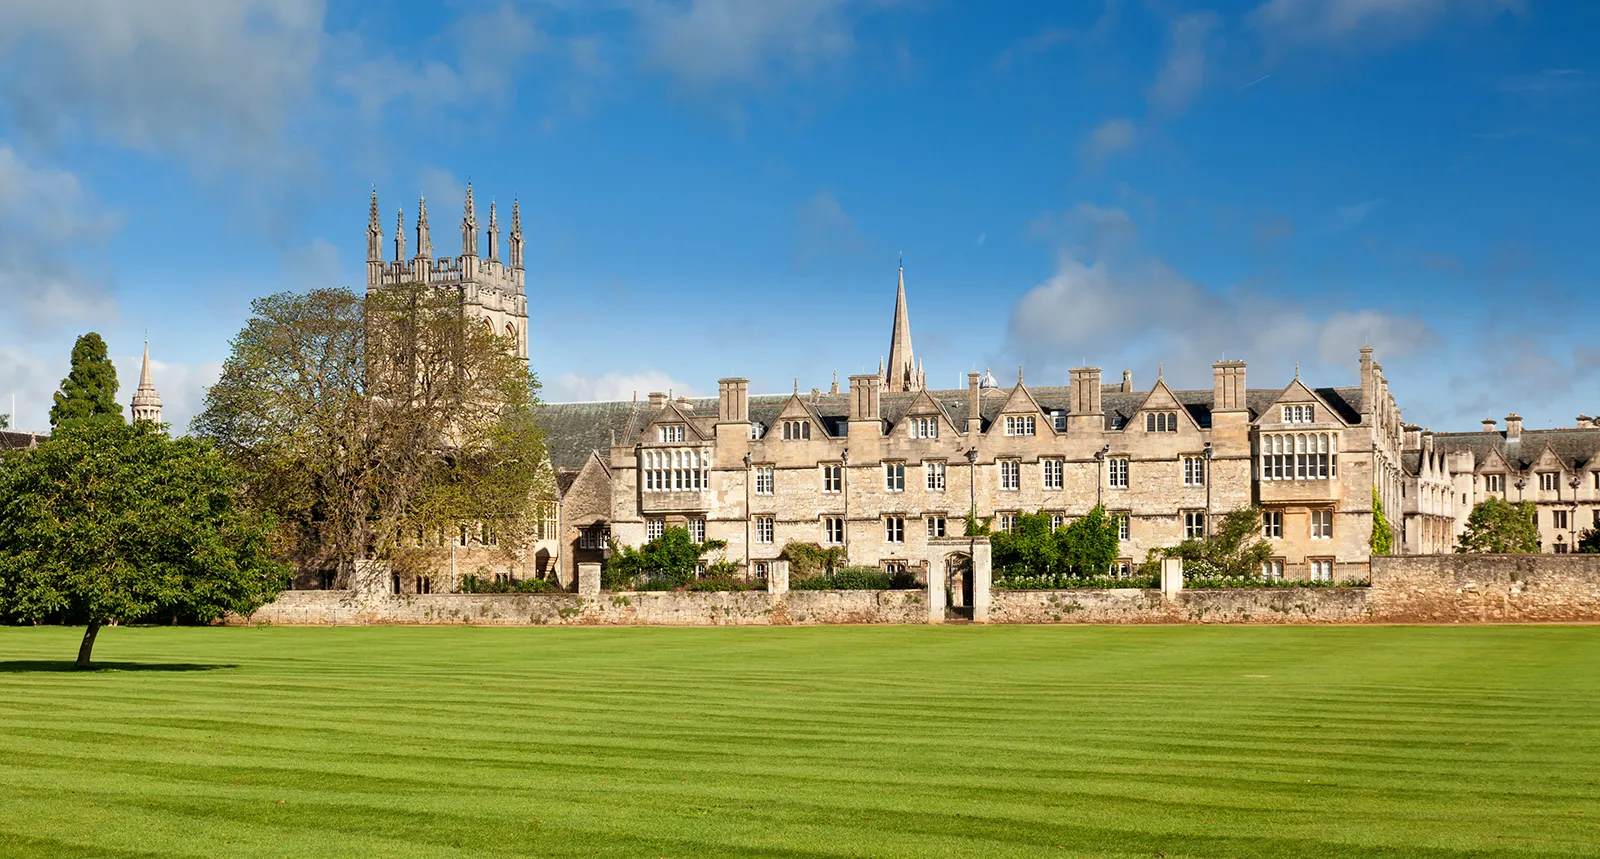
[(424, 242), (374, 230), (146, 405), (1297, 370), (494, 232), (835, 388), (399, 235), (797, 385), (1161, 372), (469, 226), (514, 249)]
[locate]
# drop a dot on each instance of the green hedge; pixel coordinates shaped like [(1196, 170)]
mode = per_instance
[(1062, 583), (485, 585), (856, 579)]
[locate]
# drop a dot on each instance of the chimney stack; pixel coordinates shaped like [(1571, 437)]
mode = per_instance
[(1488, 425), (1513, 427), (1085, 393), (1227, 386), (1585, 422), (1413, 437), (865, 390), (974, 404), (1127, 381), (733, 400), (658, 400)]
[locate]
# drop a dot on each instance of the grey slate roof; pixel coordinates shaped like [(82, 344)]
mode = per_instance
[(573, 430), (1577, 448), (20, 440)]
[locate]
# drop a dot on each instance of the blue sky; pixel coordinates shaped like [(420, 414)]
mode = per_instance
[(716, 188)]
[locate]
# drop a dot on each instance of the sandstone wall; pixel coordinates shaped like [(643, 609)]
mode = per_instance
[(1486, 588), (1223, 605), (653, 608)]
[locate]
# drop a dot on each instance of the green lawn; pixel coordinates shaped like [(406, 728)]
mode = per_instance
[(841, 741)]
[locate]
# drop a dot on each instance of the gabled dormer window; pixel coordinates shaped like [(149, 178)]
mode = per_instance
[(796, 430), (924, 427), (1021, 424), (1301, 414), (670, 433), (1161, 422)]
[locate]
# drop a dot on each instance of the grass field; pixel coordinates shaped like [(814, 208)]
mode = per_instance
[(843, 741)]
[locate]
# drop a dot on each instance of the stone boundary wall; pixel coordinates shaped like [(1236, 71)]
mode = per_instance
[(1221, 605), (1405, 589), (655, 608), (1486, 588)]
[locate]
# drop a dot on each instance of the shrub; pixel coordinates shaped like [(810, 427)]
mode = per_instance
[(1026, 582), (807, 559), (856, 579), (486, 585), (663, 564), (723, 582), (1084, 547), (1499, 526)]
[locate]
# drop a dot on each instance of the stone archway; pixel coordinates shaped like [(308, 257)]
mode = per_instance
[(974, 583)]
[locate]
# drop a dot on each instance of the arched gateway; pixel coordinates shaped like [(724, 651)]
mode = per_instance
[(959, 575)]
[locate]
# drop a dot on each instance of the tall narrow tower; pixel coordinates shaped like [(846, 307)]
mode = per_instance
[(901, 374), (146, 402)]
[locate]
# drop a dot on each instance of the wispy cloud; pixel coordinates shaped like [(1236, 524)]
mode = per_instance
[(1183, 73), (706, 43), (825, 229), (1361, 23), (580, 388), (1107, 139), (1348, 217)]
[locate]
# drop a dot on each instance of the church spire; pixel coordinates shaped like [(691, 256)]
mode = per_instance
[(424, 243), (146, 402), (902, 370), (514, 246), (494, 233), (469, 226), (374, 231), (399, 235)]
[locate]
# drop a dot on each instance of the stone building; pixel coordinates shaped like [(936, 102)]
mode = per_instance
[(1558, 470), (146, 404), (886, 465)]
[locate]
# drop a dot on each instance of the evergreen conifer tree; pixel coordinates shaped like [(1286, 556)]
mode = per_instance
[(90, 388)]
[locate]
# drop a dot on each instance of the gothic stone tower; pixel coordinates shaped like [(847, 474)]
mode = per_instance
[(488, 289), (903, 372)]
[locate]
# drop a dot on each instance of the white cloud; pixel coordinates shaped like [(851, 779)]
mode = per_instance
[(706, 43), (1374, 21), (212, 79), (1148, 312), (1182, 76), (580, 388), (46, 219), (1109, 137), (1347, 217), (824, 229)]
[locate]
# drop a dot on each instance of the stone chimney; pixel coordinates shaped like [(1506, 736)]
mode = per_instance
[(1085, 394), (974, 405), (1585, 422), (685, 404), (1127, 381), (733, 400), (1227, 386), (658, 400), (865, 391), (1488, 425), (1513, 427), (1413, 437)]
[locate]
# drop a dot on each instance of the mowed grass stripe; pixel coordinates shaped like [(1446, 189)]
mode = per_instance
[(805, 742)]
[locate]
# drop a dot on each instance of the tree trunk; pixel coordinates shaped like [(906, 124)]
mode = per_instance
[(87, 646)]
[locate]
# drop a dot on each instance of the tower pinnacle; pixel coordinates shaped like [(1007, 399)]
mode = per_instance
[(146, 404), (469, 226), (494, 233), (424, 243), (902, 372), (374, 231), (399, 235), (514, 246)]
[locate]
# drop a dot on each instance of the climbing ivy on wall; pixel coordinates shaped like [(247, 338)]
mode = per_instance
[(1382, 534)]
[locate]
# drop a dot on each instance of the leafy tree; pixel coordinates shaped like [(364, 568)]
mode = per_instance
[(1382, 534), (808, 559), (1032, 545), (1499, 526), (90, 388), (1090, 543), (109, 522), (365, 422), (667, 561), (1589, 542), (1234, 548)]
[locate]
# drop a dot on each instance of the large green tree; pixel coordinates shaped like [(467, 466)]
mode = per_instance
[(669, 560), (366, 420), (1497, 526), (1233, 549), (108, 522), (90, 388), (1589, 542), (1086, 546)]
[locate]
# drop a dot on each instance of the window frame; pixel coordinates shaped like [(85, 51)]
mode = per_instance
[(765, 530), (765, 480), (1010, 474), (894, 476), (894, 529), (1117, 468), (1194, 524), (937, 527), (830, 524), (832, 475), (1054, 472), (935, 474), (1272, 524)]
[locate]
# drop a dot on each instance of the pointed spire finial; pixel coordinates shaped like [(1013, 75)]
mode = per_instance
[(1297, 369), (374, 230), (514, 250), (424, 241), (902, 373), (1019, 375), (146, 405), (469, 225), (494, 232), (1161, 372), (399, 235)]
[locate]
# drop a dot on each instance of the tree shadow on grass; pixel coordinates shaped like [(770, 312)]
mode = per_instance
[(29, 666)]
